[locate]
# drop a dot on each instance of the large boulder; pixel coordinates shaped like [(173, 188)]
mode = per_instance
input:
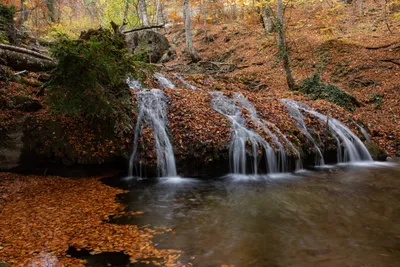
[(150, 45)]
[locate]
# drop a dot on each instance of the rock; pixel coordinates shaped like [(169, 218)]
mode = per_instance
[(148, 44), (3, 264), (55, 140), (394, 160), (11, 146), (375, 151), (168, 56), (26, 103), (5, 73)]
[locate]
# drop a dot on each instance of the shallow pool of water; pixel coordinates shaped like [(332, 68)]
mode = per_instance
[(342, 216)]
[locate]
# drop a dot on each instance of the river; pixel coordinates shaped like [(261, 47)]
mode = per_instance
[(346, 215)]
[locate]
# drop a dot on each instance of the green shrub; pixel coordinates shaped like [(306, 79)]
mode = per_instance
[(313, 87), (89, 80)]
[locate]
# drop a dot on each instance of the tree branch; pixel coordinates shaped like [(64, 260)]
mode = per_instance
[(144, 28)]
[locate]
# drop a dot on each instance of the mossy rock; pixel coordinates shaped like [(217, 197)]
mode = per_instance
[(26, 103), (3, 264), (149, 45), (375, 151), (70, 141)]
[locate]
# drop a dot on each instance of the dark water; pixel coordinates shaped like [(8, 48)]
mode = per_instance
[(347, 216)]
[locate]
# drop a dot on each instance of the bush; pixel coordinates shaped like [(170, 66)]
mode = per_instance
[(89, 80), (316, 89)]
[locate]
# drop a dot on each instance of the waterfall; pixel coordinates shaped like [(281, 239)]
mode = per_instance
[(153, 111), (163, 81), (241, 135), (295, 112), (186, 83), (354, 150), (245, 103), (364, 132), (133, 84)]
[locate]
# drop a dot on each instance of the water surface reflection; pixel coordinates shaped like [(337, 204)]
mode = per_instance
[(348, 216)]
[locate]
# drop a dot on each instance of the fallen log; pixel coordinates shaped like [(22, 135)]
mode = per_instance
[(143, 28), (380, 46), (25, 51), (23, 59)]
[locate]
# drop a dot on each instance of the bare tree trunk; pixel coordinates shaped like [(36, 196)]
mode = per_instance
[(234, 10), (360, 8), (188, 30), (143, 12), (159, 13), (50, 4), (125, 21), (325, 4), (23, 10), (204, 2), (267, 18), (283, 50)]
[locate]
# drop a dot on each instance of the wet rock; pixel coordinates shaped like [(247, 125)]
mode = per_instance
[(148, 44), (10, 147), (394, 160), (375, 151), (53, 140)]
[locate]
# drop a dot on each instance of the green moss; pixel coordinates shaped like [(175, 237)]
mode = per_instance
[(377, 99), (218, 88), (313, 87), (89, 80), (375, 151)]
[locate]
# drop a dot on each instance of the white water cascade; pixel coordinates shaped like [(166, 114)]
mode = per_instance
[(133, 83), (264, 124), (354, 149), (186, 83), (301, 125), (163, 81), (241, 135), (153, 111)]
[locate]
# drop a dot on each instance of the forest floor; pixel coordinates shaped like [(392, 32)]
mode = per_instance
[(362, 59), (58, 213)]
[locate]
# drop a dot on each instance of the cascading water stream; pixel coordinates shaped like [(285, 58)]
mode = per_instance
[(294, 111), (245, 103), (163, 81), (186, 83), (354, 149), (241, 135), (133, 83), (153, 110)]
